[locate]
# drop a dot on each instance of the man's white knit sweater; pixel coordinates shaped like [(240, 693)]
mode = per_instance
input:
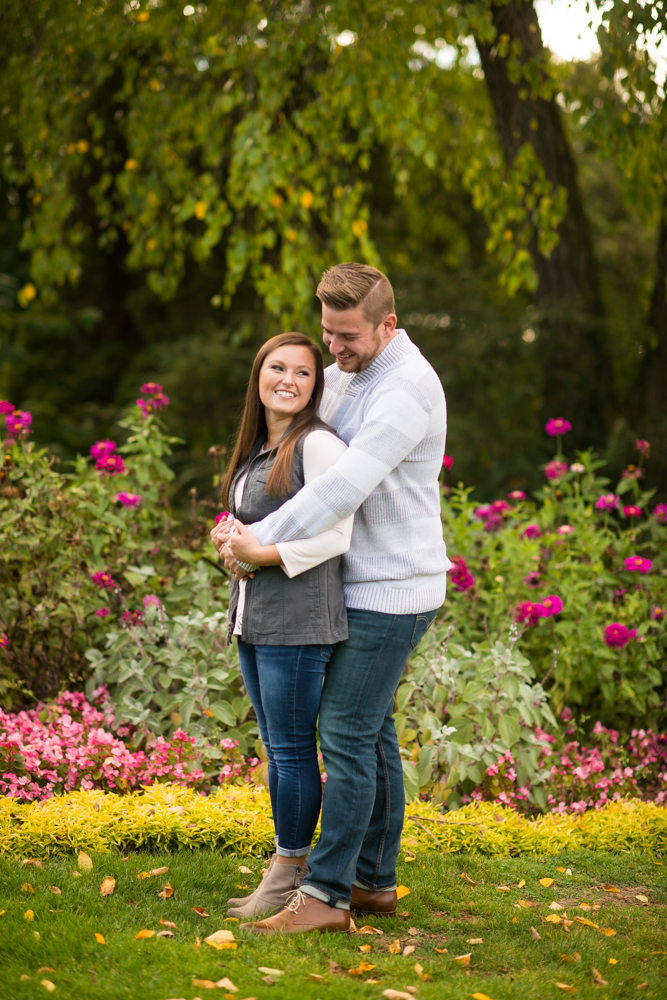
[(393, 416)]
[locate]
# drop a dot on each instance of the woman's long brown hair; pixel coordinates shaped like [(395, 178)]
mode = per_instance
[(253, 421)]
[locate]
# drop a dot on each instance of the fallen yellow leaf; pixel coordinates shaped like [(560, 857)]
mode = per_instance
[(2, 912), (564, 986), (108, 886), (44, 968), (364, 948), (520, 886), (464, 959), (610, 888), (143, 934), (642, 986), (641, 898), (99, 938), (316, 976), (227, 984), (142, 875), (588, 923), (168, 923), (571, 958), (166, 893), (37, 935), (367, 929), (553, 918), (200, 911), (613, 961), (503, 888), (409, 948), (244, 870), (276, 972), (402, 891), (28, 915), (608, 931), (546, 882), (32, 861), (597, 977), (657, 862), (165, 934), (535, 934), (26, 887), (159, 871), (466, 878), (526, 904), (442, 951), (361, 968), (221, 940), (474, 941), (480, 996), (395, 947), (85, 861), (48, 985), (204, 984), (559, 869), (396, 995)]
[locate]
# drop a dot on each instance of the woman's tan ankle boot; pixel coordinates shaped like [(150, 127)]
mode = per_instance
[(273, 894), (240, 901)]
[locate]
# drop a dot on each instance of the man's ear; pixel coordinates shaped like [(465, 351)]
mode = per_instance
[(388, 325)]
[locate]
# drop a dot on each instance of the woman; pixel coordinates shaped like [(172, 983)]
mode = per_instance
[(289, 613)]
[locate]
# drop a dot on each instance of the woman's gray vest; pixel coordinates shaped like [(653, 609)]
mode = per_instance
[(306, 610)]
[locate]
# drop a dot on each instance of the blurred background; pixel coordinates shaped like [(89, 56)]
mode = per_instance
[(519, 330)]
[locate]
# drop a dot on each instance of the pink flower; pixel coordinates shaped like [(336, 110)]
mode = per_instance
[(657, 613), (617, 635), (531, 531), (104, 579), (565, 529), (532, 580), (151, 600), (552, 605), (151, 388), (529, 611), (643, 447), (632, 511), (460, 575), (660, 513), (103, 448), (577, 467), (483, 512), (500, 505), (18, 421), (608, 501), (555, 469), (632, 473), (160, 400), (102, 612), (4, 641), (156, 402), (129, 499), (221, 516), (110, 465), (557, 426), (447, 461), (566, 714), (635, 564), (133, 618), (517, 495), (6, 407)]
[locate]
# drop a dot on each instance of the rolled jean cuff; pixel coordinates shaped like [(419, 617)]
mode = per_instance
[(283, 852), (325, 897), (376, 888)]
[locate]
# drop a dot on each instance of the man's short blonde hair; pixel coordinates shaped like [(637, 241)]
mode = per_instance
[(346, 286)]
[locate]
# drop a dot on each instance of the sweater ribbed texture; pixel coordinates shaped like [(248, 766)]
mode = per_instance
[(393, 417)]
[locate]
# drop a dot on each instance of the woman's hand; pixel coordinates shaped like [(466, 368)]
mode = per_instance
[(244, 545), (220, 533)]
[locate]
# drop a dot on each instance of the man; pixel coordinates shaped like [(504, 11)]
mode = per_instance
[(387, 403)]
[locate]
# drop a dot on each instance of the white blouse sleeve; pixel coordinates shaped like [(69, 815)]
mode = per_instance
[(321, 450)]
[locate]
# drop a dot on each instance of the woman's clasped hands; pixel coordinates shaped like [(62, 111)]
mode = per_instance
[(235, 541)]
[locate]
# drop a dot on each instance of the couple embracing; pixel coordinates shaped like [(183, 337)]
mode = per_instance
[(335, 543)]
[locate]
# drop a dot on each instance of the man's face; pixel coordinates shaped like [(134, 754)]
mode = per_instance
[(353, 341)]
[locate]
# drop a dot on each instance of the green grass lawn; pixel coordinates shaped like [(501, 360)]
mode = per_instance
[(442, 911)]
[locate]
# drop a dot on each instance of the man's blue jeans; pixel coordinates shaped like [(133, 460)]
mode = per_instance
[(285, 684), (364, 801)]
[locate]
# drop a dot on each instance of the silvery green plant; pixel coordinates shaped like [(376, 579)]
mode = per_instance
[(460, 711)]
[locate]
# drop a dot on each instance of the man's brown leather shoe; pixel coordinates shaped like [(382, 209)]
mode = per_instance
[(303, 915), (381, 904)]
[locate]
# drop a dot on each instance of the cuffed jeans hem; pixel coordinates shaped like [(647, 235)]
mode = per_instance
[(284, 852), (376, 888), (325, 897)]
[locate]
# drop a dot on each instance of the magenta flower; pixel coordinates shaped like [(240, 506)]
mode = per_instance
[(529, 612), (104, 579), (517, 495), (557, 426), (129, 499), (660, 513), (221, 516), (532, 580), (494, 521), (447, 461), (618, 635), (552, 605), (608, 501), (151, 600), (566, 714), (632, 511), (635, 564), (110, 465), (103, 448), (18, 421), (632, 473), (500, 505), (531, 531), (151, 388), (657, 613), (160, 400), (133, 618), (643, 447), (102, 612), (555, 469), (4, 641), (460, 575), (483, 512), (565, 529), (6, 407)]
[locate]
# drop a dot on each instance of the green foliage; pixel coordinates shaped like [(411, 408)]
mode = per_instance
[(585, 568), (468, 710)]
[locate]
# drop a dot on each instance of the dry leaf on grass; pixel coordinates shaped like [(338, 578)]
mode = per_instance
[(559, 869), (576, 957), (269, 980), (26, 887), (525, 903), (204, 984), (474, 941), (413, 931), (597, 977), (244, 870), (411, 989), (607, 931), (200, 911), (221, 940), (165, 934), (564, 986), (55, 890), (316, 976), (402, 891), (143, 875), (463, 959), (396, 995), (480, 996), (365, 948), (37, 935), (108, 886), (334, 967), (48, 985), (75, 874), (409, 948), (613, 961), (166, 893), (555, 906), (642, 986), (442, 951), (503, 888), (168, 923), (535, 935), (641, 898), (587, 923), (367, 929), (467, 879), (546, 882), (159, 871), (32, 861), (395, 947), (143, 934), (44, 968), (361, 969), (28, 915), (99, 938), (227, 984), (610, 888), (85, 862), (424, 976), (279, 972), (371, 982), (553, 918), (521, 883)]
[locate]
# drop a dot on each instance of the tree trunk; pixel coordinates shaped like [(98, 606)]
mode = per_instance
[(572, 342), (651, 418)]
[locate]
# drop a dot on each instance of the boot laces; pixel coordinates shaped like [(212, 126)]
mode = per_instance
[(297, 899)]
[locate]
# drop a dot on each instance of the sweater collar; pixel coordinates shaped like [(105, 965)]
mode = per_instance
[(398, 348)]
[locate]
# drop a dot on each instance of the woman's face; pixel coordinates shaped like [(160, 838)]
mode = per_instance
[(287, 380)]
